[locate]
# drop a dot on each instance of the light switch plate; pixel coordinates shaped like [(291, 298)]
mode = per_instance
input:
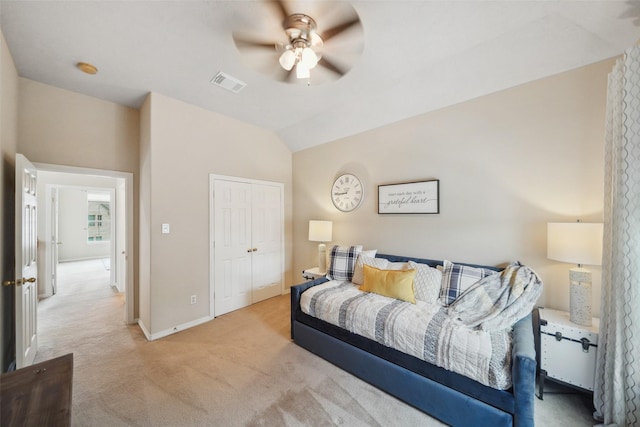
[(166, 229)]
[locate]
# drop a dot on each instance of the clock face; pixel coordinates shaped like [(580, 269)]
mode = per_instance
[(347, 192)]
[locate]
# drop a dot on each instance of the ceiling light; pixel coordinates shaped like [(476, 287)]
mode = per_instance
[(302, 71), (309, 57), (288, 59), (85, 67)]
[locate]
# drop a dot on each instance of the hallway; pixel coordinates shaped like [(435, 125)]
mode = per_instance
[(85, 308)]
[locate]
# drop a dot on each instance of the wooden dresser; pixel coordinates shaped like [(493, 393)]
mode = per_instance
[(38, 395)]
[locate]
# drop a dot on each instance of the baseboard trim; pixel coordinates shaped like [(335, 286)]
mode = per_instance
[(171, 331)]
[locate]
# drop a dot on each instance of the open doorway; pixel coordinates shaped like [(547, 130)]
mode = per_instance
[(83, 232), (86, 215)]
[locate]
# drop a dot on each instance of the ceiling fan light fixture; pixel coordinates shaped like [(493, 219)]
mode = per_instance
[(309, 58), (287, 59), (303, 47), (302, 71)]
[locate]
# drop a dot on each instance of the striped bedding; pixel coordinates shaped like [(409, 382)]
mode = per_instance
[(422, 330)]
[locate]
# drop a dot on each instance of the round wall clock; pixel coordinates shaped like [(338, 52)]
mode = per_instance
[(347, 192)]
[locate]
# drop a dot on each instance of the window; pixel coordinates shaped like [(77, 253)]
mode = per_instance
[(98, 217)]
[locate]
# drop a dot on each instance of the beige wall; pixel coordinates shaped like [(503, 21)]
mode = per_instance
[(144, 236), (60, 127), (8, 144), (508, 163), (186, 144), (66, 128)]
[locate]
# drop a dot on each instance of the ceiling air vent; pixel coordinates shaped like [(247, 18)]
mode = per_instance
[(227, 82)]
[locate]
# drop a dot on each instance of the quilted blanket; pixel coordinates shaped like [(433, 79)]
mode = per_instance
[(498, 301), (422, 330)]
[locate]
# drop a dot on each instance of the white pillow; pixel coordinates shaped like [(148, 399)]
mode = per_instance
[(426, 285), (369, 253), (381, 263)]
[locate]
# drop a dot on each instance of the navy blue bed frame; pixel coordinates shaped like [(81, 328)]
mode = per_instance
[(451, 398)]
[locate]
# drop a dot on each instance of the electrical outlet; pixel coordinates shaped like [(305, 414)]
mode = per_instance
[(193, 299)]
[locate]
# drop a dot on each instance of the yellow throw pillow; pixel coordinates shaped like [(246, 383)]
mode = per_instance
[(396, 284)]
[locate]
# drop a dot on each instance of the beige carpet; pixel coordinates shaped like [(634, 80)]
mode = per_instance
[(240, 369)]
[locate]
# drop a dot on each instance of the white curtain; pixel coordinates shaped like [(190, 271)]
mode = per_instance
[(617, 386)]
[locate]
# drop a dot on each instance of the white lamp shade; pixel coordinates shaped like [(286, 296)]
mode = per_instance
[(287, 59), (575, 242), (320, 231)]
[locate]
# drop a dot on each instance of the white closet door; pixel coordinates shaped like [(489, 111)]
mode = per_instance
[(266, 205), (233, 250), (248, 235)]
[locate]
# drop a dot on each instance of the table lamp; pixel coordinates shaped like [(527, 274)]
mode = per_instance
[(320, 231), (577, 243)]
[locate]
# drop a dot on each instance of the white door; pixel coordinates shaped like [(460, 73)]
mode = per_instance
[(232, 219), (26, 294), (247, 243), (267, 242)]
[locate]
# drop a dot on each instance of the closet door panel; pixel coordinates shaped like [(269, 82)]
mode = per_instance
[(232, 222), (266, 208)]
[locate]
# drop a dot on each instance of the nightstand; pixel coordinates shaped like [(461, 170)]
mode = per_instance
[(567, 351), (312, 273)]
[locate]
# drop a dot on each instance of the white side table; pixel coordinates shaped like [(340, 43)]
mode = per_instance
[(312, 273), (567, 350)]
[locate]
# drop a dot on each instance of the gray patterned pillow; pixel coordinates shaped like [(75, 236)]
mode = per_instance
[(427, 282), (342, 262)]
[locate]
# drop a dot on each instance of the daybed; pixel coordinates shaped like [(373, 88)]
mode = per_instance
[(450, 397)]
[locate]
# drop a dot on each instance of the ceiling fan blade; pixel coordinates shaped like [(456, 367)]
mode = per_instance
[(281, 9), (332, 66), (243, 42), (334, 31)]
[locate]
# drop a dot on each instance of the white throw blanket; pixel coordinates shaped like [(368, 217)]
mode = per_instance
[(498, 301)]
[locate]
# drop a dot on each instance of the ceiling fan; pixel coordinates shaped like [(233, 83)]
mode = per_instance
[(301, 46)]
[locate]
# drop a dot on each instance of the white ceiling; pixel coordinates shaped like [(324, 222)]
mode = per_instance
[(417, 56)]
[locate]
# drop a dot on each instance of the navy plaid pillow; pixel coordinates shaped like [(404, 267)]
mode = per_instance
[(342, 262), (458, 278)]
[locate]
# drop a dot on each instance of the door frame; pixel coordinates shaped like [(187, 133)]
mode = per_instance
[(129, 265), (212, 252), (53, 239)]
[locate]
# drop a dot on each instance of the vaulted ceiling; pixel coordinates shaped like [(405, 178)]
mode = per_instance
[(407, 58)]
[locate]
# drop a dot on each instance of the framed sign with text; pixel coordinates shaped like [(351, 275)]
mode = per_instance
[(421, 197)]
